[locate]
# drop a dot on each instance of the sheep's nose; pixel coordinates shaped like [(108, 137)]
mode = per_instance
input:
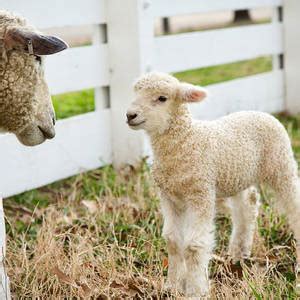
[(48, 132), (131, 116)]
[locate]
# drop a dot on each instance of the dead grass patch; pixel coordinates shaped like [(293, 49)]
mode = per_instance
[(98, 235)]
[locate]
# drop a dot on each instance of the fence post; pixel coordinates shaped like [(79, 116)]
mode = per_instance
[(130, 42), (4, 280), (291, 21)]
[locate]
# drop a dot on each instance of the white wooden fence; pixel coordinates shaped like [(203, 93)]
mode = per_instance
[(88, 141)]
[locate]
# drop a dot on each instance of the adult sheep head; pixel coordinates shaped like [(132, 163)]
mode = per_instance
[(159, 99), (25, 103)]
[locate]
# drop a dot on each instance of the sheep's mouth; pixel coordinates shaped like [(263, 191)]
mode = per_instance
[(135, 124)]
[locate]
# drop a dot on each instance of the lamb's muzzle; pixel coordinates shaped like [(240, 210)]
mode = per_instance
[(134, 119), (131, 116)]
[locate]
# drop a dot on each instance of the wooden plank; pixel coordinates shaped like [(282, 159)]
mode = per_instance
[(263, 92), (77, 68), (2, 234), (130, 50), (4, 280), (4, 283), (291, 13), (58, 13), (201, 49), (162, 8), (82, 143)]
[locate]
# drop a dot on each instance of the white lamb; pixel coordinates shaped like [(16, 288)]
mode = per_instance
[(196, 162)]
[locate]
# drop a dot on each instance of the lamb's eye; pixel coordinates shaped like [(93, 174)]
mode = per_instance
[(162, 98)]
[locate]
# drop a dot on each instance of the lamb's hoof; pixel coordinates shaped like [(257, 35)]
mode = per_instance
[(174, 289), (195, 292), (238, 258)]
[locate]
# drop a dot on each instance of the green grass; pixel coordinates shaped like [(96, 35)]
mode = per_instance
[(226, 72), (75, 103), (71, 104), (292, 124)]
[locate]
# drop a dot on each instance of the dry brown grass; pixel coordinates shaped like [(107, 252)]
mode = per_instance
[(98, 235)]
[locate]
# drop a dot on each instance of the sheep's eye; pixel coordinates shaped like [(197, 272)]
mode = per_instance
[(38, 58), (162, 98)]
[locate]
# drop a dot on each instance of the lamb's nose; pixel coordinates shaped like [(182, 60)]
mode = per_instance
[(130, 116)]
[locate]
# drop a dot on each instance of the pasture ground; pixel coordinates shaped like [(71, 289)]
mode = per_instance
[(98, 234)]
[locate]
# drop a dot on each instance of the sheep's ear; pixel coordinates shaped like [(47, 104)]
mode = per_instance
[(191, 93), (33, 42)]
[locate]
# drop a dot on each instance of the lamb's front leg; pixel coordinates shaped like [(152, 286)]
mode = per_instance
[(198, 233), (173, 237)]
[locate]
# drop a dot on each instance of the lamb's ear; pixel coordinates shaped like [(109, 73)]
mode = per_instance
[(191, 93), (33, 42)]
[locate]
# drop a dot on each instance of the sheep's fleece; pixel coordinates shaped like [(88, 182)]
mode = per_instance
[(196, 162), (25, 103)]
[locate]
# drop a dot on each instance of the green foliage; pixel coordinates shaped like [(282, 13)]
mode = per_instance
[(75, 103), (226, 72)]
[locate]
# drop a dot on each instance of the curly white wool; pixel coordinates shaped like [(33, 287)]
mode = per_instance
[(25, 101), (196, 162)]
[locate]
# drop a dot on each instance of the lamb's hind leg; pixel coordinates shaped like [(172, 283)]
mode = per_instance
[(244, 211)]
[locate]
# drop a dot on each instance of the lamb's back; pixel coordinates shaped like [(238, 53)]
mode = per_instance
[(242, 145)]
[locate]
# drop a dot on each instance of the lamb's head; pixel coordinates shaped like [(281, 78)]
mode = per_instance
[(25, 103), (158, 99)]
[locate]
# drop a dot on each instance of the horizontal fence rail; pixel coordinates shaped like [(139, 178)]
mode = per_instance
[(163, 8), (82, 143), (78, 68), (94, 139), (214, 47), (263, 92), (59, 13)]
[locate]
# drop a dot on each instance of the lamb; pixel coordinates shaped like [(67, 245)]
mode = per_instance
[(25, 103), (197, 162)]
